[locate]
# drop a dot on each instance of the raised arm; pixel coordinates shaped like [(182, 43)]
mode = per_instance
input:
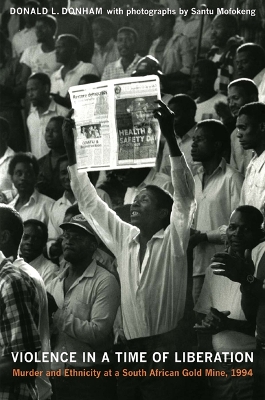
[(109, 227), (184, 201)]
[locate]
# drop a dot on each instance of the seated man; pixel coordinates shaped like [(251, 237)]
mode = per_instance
[(29, 202), (251, 276), (250, 62), (24, 325), (224, 44), (31, 249), (217, 192), (203, 76), (150, 253), (48, 179), (173, 51), (220, 301), (127, 39), (42, 110), (41, 57), (67, 49), (184, 108), (240, 92), (88, 298), (105, 49)]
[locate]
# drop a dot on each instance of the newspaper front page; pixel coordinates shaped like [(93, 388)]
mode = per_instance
[(115, 125)]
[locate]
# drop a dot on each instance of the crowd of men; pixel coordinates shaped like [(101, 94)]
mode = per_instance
[(160, 260)]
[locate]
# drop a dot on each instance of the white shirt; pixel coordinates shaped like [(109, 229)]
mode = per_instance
[(22, 40), (47, 270), (253, 190), (216, 201), (38, 207), (37, 125), (115, 69), (261, 89), (105, 55), (86, 313), (206, 110), (72, 77), (153, 300), (185, 146), (5, 178), (153, 178), (239, 158), (38, 61)]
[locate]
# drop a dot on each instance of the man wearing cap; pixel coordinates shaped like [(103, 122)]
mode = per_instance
[(127, 39), (87, 297), (151, 259)]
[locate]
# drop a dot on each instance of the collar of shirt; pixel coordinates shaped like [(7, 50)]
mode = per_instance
[(33, 198), (2, 257), (8, 154), (104, 49), (88, 273), (157, 235), (71, 71), (134, 62), (52, 108), (258, 162), (64, 200), (221, 166)]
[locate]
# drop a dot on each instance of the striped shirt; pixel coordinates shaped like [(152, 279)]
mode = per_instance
[(19, 318)]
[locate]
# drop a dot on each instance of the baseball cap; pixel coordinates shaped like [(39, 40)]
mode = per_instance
[(147, 65), (81, 222)]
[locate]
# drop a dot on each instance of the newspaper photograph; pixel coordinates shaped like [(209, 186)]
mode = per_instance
[(115, 126)]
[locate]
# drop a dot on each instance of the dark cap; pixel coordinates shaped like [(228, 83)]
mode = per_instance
[(147, 65), (81, 222)]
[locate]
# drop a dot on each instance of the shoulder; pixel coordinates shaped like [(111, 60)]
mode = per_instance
[(44, 199), (105, 279)]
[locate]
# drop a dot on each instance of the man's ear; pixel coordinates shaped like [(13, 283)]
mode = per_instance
[(163, 213), (262, 126), (92, 245)]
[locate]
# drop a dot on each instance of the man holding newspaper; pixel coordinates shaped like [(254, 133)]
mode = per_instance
[(151, 259)]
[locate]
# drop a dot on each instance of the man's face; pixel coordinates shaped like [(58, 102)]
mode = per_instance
[(53, 135), (245, 65), (219, 32), (76, 244), (36, 92), (126, 44), (241, 233), (248, 132), (62, 51), (24, 178), (144, 210), (32, 242), (203, 147), (158, 25), (64, 176), (180, 116), (201, 80), (43, 31), (101, 36), (237, 97)]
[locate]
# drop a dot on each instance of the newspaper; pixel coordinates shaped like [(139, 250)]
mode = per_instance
[(115, 126)]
